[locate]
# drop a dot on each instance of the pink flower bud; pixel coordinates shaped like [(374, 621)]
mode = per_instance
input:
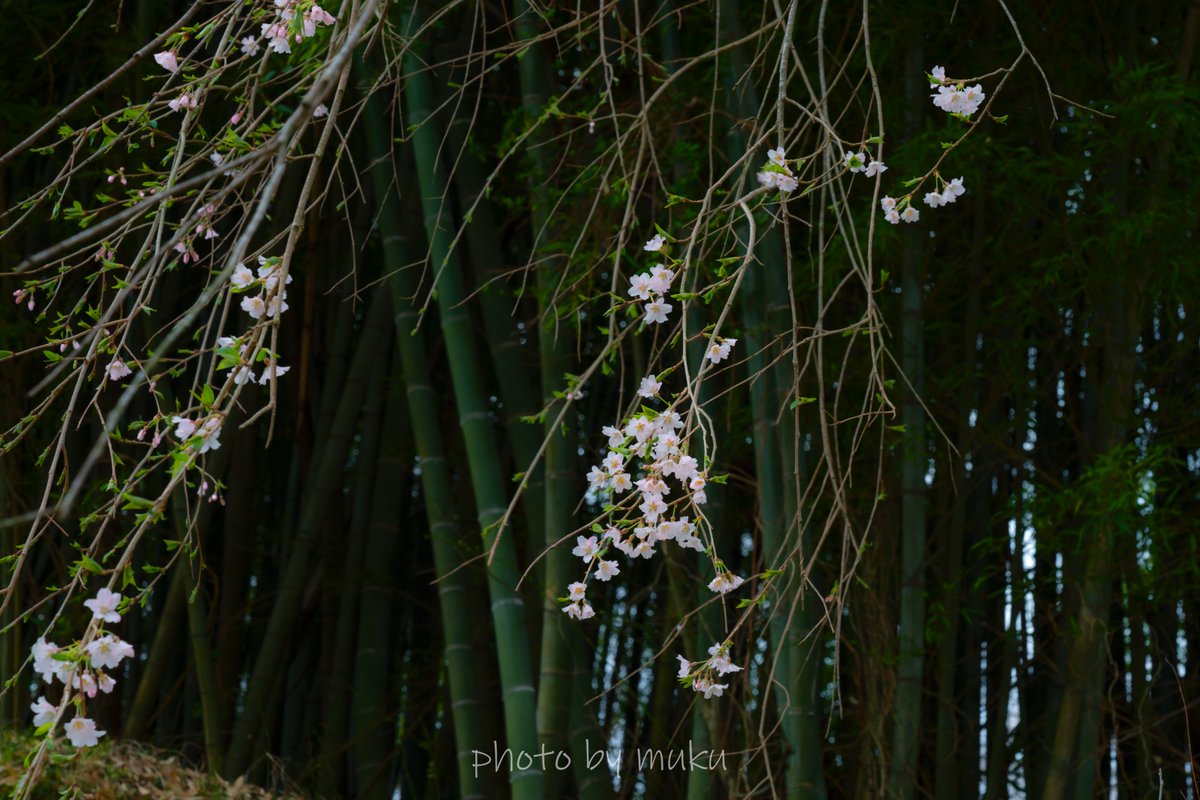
[(141, 434)]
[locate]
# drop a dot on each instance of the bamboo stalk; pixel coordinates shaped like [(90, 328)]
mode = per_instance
[(423, 405), (512, 641), (324, 482), (555, 669), (336, 714), (373, 740)]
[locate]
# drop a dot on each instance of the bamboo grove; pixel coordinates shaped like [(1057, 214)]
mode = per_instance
[(946, 470)]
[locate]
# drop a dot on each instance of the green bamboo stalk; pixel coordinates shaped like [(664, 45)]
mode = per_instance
[(797, 668), (423, 403), (163, 647), (205, 674), (237, 561), (197, 618), (906, 720), (555, 670), (325, 480), (335, 716), (517, 387), (512, 641), (373, 740)]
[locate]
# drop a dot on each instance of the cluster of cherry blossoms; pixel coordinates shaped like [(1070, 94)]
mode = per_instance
[(646, 516), (233, 350), (860, 162), (702, 675), (719, 348), (951, 191), (896, 210), (82, 667), (776, 174), (203, 433), (652, 286), (271, 301), (955, 97), (295, 20)]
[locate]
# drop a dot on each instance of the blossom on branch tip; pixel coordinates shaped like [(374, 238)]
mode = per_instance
[(719, 351), (108, 651), (43, 712), (184, 428), (184, 101), (254, 306), (271, 370), (44, 662), (605, 570), (117, 370), (579, 610), (685, 667), (104, 605), (725, 582), (657, 311), (639, 287), (855, 162), (649, 387), (585, 548), (655, 244), (875, 168), (242, 277), (167, 60), (83, 732)]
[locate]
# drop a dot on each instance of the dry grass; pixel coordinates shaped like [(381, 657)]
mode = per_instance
[(120, 771)]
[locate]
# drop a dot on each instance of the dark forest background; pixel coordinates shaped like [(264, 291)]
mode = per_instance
[(1022, 618)]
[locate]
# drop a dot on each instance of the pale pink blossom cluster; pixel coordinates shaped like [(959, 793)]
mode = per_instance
[(243, 373), (951, 191), (860, 162), (955, 97), (702, 675), (20, 295), (117, 370), (82, 667), (282, 31), (205, 226), (718, 349), (271, 301), (646, 452), (652, 286), (894, 211), (206, 432), (776, 174), (183, 102)]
